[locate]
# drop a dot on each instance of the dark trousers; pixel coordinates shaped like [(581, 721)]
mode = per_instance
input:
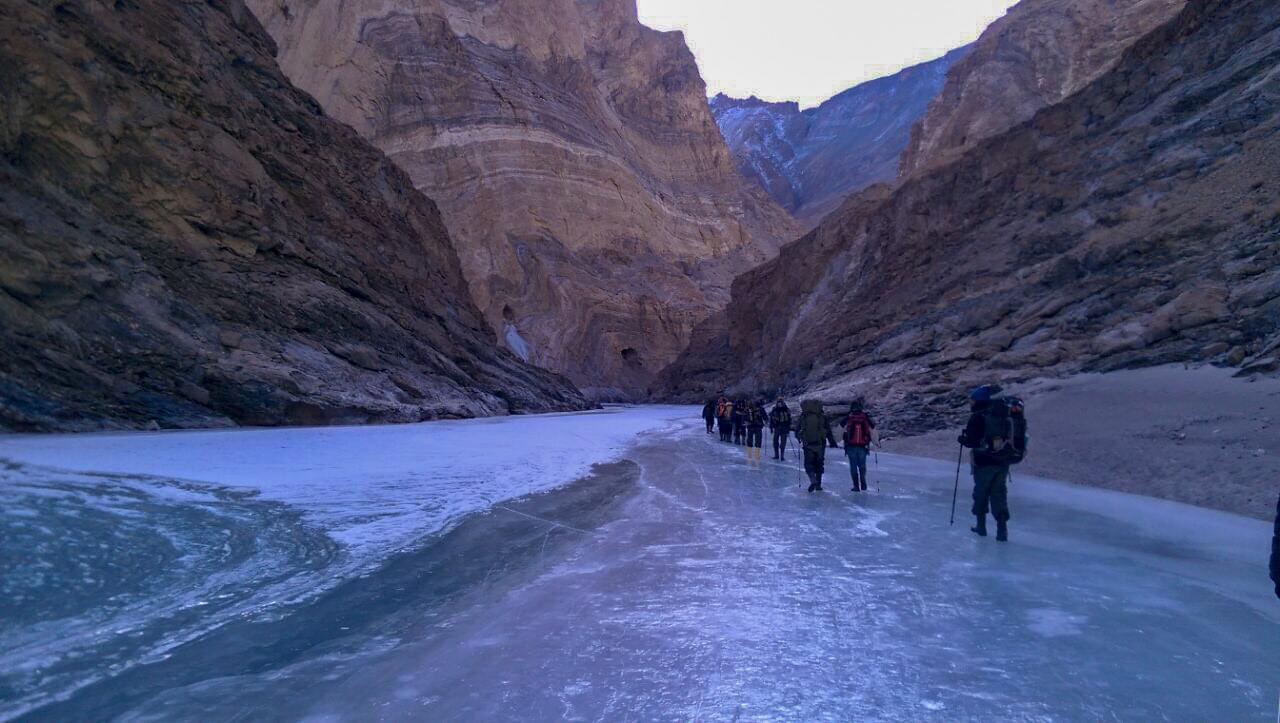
[(857, 465), (815, 460), (991, 490), (739, 433), (780, 444), (725, 426), (711, 424), (755, 437)]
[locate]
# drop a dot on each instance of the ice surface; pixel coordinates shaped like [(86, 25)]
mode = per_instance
[(708, 591), (372, 488), (112, 540)]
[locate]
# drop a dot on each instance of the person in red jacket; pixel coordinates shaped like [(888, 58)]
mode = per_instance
[(858, 428)]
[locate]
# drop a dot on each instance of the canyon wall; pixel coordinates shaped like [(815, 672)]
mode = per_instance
[(810, 160), (1039, 53), (1134, 224), (596, 209), (187, 240)]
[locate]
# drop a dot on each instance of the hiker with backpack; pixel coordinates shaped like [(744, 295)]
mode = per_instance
[(814, 434), (858, 428), (724, 418), (997, 434), (709, 415), (780, 425), (739, 422), (754, 420)]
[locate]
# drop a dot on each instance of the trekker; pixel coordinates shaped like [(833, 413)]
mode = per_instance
[(724, 418), (709, 415), (755, 419), (997, 434), (858, 428), (780, 425), (740, 422), (1275, 552), (814, 433)]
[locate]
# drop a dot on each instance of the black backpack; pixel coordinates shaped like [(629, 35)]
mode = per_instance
[(1004, 430)]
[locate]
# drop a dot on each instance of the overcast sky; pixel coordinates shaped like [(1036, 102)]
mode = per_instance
[(809, 50)]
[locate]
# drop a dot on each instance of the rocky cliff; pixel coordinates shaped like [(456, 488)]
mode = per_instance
[(810, 160), (186, 239), (1136, 223), (1039, 53), (596, 209)]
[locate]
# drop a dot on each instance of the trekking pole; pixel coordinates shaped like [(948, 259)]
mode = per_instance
[(798, 456), (956, 493)]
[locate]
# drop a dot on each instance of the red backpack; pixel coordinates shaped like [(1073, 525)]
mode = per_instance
[(857, 430)]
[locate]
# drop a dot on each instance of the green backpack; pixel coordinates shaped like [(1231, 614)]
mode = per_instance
[(813, 424)]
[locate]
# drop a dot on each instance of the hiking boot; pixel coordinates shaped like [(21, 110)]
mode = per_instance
[(1002, 531), (981, 528)]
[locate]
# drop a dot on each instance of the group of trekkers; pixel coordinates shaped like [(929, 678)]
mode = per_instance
[(743, 422), (996, 433)]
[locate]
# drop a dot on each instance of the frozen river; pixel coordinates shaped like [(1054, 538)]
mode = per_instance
[(457, 571)]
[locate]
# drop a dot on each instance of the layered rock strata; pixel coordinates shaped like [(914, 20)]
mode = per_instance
[(187, 240), (596, 209), (1039, 53), (1135, 224)]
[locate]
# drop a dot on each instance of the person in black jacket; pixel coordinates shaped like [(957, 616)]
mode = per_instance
[(990, 474), (709, 415), (1275, 552), (740, 422), (755, 419), (780, 425)]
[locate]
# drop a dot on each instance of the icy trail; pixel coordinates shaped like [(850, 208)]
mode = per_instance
[(705, 590)]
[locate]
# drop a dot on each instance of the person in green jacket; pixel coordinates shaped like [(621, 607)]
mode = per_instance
[(814, 434)]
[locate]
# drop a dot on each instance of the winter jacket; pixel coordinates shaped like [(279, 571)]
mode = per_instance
[(1275, 552), (780, 418), (812, 428), (755, 416), (726, 411), (709, 411), (848, 422), (974, 437)]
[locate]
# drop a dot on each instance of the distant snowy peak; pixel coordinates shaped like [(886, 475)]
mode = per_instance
[(765, 139), (809, 160)]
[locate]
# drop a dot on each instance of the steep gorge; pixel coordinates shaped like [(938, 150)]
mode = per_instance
[(1135, 223), (187, 240), (597, 211)]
